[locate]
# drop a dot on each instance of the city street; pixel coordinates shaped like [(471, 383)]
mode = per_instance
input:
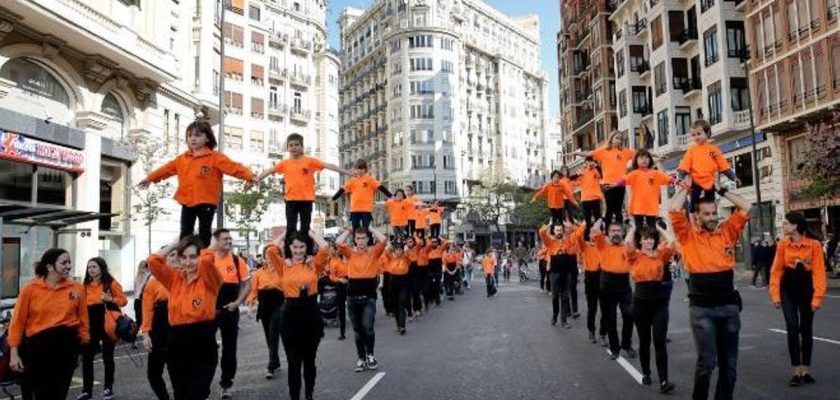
[(504, 348)]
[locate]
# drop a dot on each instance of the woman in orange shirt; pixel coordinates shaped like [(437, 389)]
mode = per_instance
[(362, 189), (397, 263), (434, 281), (192, 353), (419, 255), (155, 329), (648, 256), (558, 195), (421, 218), (399, 210), (435, 218), (267, 294), (541, 257), (103, 294), (49, 323), (797, 286), (302, 327), (645, 182), (200, 171)]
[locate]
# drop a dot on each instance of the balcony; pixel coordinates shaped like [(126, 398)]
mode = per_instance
[(641, 26), (301, 46), (682, 141), (301, 80), (831, 12), (705, 5), (278, 39), (739, 5), (742, 118), (688, 38), (278, 74), (300, 115), (644, 71), (277, 110), (584, 119), (690, 86)]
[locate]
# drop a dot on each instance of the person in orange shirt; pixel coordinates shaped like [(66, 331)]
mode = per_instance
[(590, 257), (542, 255), (413, 202), (451, 271), (49, 325), (299, 174), (614, 160), (385, 288), (267, 293), (397, 263), (615, 290), (302, 327), (338, 276), (200, 170), (701, 161), (557, 194), (570, 182), (103, 293), (645, 182), (708, 253), (648, 254), (399, 209), (434, 286), (192, 353), (435, 219), (797, 286), (489, 265), (590, 191), (155, 329), (421, 221), (363, 270), (561, 247), (361, 189)]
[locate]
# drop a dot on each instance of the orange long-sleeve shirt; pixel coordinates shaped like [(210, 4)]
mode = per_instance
[(93, 293), (542, 253), (708, 252), (190, 301), (453, 258), (701, 161), (420, 255), (569, 244), (489, 264), (590, 185), (590, 256), (396, 266), (437, 252), (436, 215), (153, 293), (645, 184), (363, 264), (613, 162), (265, 278), (613, 256), (810, 253), (338, 268), (296, 275), (40, 307), (645, 268), (362, 190), (556, 194), (200, 176), (399, 211), (421, 214)]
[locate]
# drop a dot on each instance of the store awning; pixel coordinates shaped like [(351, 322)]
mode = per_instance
[(54, 218)]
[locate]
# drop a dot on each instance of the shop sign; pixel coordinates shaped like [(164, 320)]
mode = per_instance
[(15, 146)]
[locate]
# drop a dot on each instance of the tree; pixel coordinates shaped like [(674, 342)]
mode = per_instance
[(245, 208), (822, 162), (526, 213), (147, 204), (492, 199)]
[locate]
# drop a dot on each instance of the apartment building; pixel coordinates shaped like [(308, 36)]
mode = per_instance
[(795, 80), (587, 76), (438, 94)]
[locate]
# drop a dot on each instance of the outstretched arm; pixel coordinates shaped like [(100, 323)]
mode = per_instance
[(678, 201), (336, 168)]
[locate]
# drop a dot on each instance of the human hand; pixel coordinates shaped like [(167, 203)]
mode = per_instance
[(144, 184), (232, 306), (147, 342)]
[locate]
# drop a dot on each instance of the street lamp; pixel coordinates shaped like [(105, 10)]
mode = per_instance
[(220, 215), (745, 59)]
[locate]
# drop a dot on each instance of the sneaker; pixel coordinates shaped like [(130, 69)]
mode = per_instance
[(371, 362), (361, 365), (630, 353), (341, 337), (565, 325), (269, 375), (84, 396), (666, 386), (108, 394), (795, 381), (401, 331), (592, 338), (807, 378), (554, 320), (226, 393), (646, 380), (613, 356), (604, 342), (576, 315)]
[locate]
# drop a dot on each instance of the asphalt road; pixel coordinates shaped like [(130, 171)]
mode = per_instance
[(505, 348)]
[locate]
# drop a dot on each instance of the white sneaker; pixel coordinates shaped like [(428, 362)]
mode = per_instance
[(361, 365), (371, 362)]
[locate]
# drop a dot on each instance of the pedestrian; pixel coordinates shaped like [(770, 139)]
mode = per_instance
[(301, 326), (649, 251), (49, 324), (385, 288), (557, 194), (755, 257), (645, 182), (489, 263), (413, 203), (591, 258), (200, 170), (797, 286), (235, 288), (363, 269), (103, 294), (615, 288), (361, 188), (267, 294), (561, 246), (155, 330), (421, 249), (541, 265), (416, 278), (398, 265), (468, 256), (708, 253), (399, 208), (451, 270), (338, 277), (192, 353), (437, 247), (701, 161), (613, 158), (140, 279)]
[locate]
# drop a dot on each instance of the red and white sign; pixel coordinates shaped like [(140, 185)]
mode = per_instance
[(15, 146)]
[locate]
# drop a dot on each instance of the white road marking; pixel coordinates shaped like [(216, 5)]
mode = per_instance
[(832, 296), (815, 337), (634, 373), (368, 386)]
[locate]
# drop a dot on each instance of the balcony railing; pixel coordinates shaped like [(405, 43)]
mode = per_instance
[(687, 84), (831, 12), (705, 5), (278, 39), (301, 45), (301, 79), (277, 109), (687, 35), (300, 115), (584, 119), (279, 74), (742, 118)]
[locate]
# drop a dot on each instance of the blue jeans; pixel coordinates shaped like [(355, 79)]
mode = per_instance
[(716, 337), (468, 277), (362, 310)]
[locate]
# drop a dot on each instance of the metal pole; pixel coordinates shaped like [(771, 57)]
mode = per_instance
[(1, 258), (756, 173), (220, 215)]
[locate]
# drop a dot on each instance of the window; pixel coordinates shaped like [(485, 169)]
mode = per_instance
[(705, 5), (662, 127), (736, 44), (679, 68), (676, 25), (715, 104), (637, 59), (659, 78), (640, 104), (422, 87), (446, 66), (233, 138), (422, 136), (111, 107), (297, 102), (257, 108), (682, 122), (422, 111), (397, 89), (599, 131), (257, 141), (619, 64), (396, 45), (422, 161), (710, 45), (233, 103), (421, 64), (797, 152), (33, 79), (254, 12), (449, 187), (622, 103), (612, 95), (420, 41), (233, 68), (656, 32), (257, 42), (234, 35), (257, 75), (739, 93), (835, 63), (447, 43), (396, 67), (743, 166)]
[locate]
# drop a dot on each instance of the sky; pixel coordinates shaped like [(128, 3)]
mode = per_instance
[(548, 11)]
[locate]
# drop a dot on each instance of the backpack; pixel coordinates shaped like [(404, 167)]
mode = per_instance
[(119, 326)]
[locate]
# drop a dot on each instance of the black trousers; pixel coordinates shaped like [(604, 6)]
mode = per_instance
[(341, 305), (412, 225), (592, 287), (490, 281), (698, 193), (434, 230), (229, 327), (651, 318), (433, 282), (764, 272), (271, 331), (591, 211), (615, 204), (301, 329), (644, 220), (449, 282), (157, 357), (400, 295), (358, 219), (573, 278), (298, 211), (191, 359), (557, 215), (386, 289), (560, 293), (49, 358), (797, 290), (138, 310), (611, 302), (99, 340), (418, 283), (204, 213), (543, 273)]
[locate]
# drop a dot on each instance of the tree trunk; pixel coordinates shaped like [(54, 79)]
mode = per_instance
[(149, 237)]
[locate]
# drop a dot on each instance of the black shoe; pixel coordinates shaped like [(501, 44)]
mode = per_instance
[(646, 380), (613, 356), (402, 331), (576, 315), (807, 378), (565, 325), (666, 386), (604, 341), (309, 396), (592, 338), (795, 381), (554, 320), (630, 353), (341, 337)]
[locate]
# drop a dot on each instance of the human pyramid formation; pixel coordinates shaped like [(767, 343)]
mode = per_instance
[(196, 285)]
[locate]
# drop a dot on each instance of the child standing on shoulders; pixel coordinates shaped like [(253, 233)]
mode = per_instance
[(361, 188), (399, 209), (435, 218), (701, 161), (557, 193), (645, 183), (200, 170)]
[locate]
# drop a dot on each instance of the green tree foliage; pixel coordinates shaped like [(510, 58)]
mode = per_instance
[(822, 161), (146, 205), (245, 206)]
